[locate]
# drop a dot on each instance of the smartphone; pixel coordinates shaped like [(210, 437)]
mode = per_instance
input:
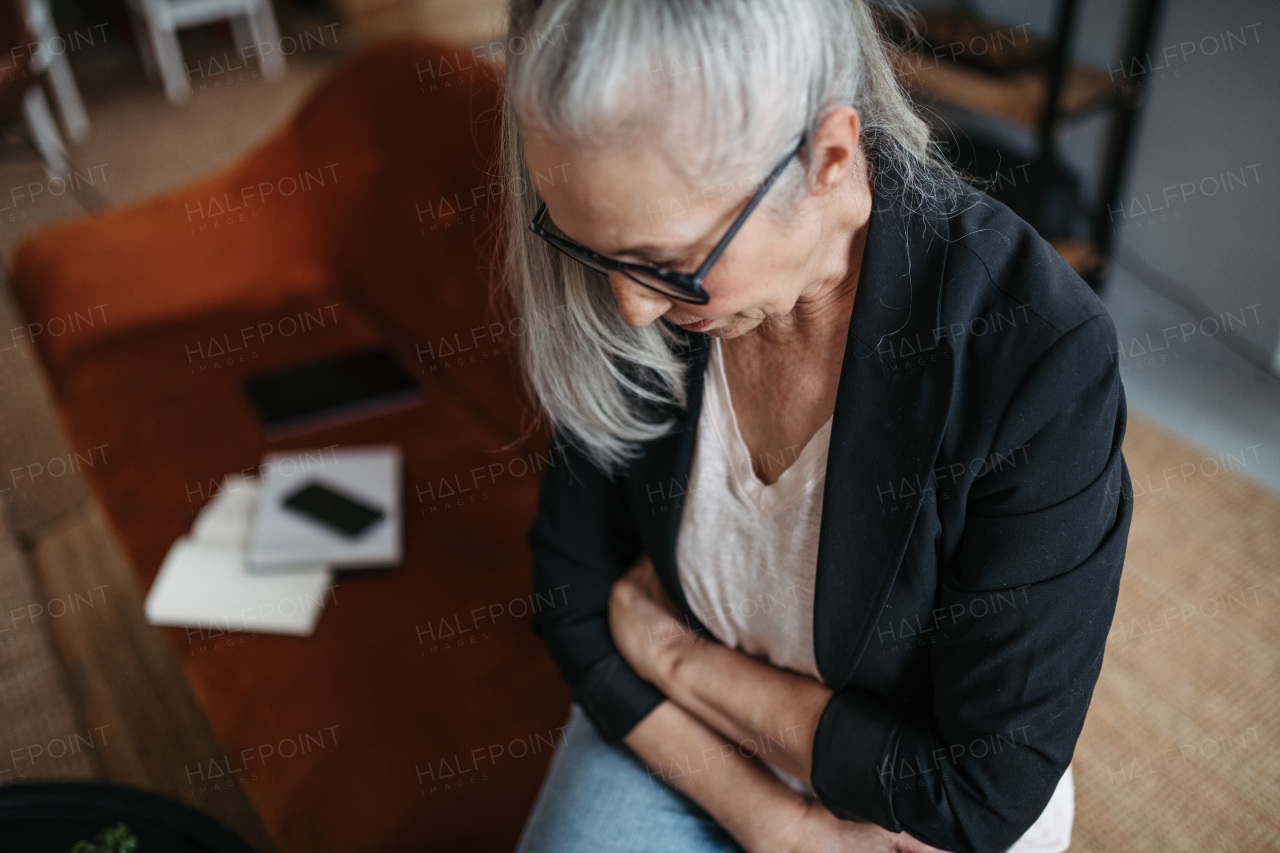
[(341, 388), (343, 514)]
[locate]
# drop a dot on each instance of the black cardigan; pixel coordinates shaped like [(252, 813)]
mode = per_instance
[(975, 514)]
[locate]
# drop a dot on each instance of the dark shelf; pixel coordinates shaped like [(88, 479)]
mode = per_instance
[(999, 71), (1018, 98)]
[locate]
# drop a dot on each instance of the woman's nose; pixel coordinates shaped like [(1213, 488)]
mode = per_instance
[(638, 305)]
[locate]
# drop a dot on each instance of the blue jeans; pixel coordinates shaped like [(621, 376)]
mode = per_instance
[(599, 797)]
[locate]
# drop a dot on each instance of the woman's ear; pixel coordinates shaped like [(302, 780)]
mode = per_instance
[(834, 150)]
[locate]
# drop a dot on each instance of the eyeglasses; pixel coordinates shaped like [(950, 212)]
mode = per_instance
[(684, 287)]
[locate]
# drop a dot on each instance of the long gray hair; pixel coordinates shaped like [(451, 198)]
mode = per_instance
[(726, 87)]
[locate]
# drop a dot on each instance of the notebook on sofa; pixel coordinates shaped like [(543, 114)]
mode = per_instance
[(337, 506), (204, 581)]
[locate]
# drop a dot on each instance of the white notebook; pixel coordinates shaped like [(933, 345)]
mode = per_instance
[(204, 581), (283, 539)]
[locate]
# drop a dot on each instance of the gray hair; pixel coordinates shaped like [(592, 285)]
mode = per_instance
[(752, 77)]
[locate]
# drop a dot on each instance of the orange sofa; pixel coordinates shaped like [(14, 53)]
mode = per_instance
[(366, 219)]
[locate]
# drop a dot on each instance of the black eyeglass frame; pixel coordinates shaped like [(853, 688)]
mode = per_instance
[(688, 286)]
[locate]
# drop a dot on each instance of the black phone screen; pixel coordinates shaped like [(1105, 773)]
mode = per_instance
[(341, 513)]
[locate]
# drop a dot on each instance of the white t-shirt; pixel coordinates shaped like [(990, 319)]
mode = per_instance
[(746, 558)]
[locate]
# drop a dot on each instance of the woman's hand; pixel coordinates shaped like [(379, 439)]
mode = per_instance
[(646, 627), (817, 830)]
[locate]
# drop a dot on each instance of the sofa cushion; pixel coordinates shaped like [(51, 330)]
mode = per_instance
[(231, 240)]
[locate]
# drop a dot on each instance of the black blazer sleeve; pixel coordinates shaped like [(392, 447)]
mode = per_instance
[(583, 539), (1027, 599)]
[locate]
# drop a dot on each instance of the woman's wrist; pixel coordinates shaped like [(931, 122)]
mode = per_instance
[(676, 662), (780, 832), (747, 800)]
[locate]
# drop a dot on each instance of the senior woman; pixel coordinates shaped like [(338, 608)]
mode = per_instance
[(840, 510)]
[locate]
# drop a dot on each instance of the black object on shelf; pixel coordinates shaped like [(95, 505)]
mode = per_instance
[(50, 817), (1036, 86)]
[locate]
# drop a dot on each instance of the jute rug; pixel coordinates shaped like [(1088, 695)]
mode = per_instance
[(1179, 751)]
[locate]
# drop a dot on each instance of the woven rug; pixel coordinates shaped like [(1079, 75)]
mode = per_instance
[(41, 736), (1179, 751), (39, 473)]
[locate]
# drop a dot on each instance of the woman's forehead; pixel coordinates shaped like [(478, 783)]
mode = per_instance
[(620, 198), (615, 174)]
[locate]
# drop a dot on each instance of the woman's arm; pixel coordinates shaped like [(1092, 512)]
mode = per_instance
[(752, 804), (582, 539), (751, 702), (739, 710), (764, 710)]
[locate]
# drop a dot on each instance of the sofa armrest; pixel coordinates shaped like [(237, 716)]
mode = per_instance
[(243, 237)]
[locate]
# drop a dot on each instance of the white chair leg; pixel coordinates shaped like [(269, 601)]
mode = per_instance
[(177, 86), (44, 133), (65, 93), (262, 25), (67, 96), (242, 36)]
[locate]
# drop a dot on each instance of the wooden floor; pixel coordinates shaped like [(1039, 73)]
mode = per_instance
[(456, 21)]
